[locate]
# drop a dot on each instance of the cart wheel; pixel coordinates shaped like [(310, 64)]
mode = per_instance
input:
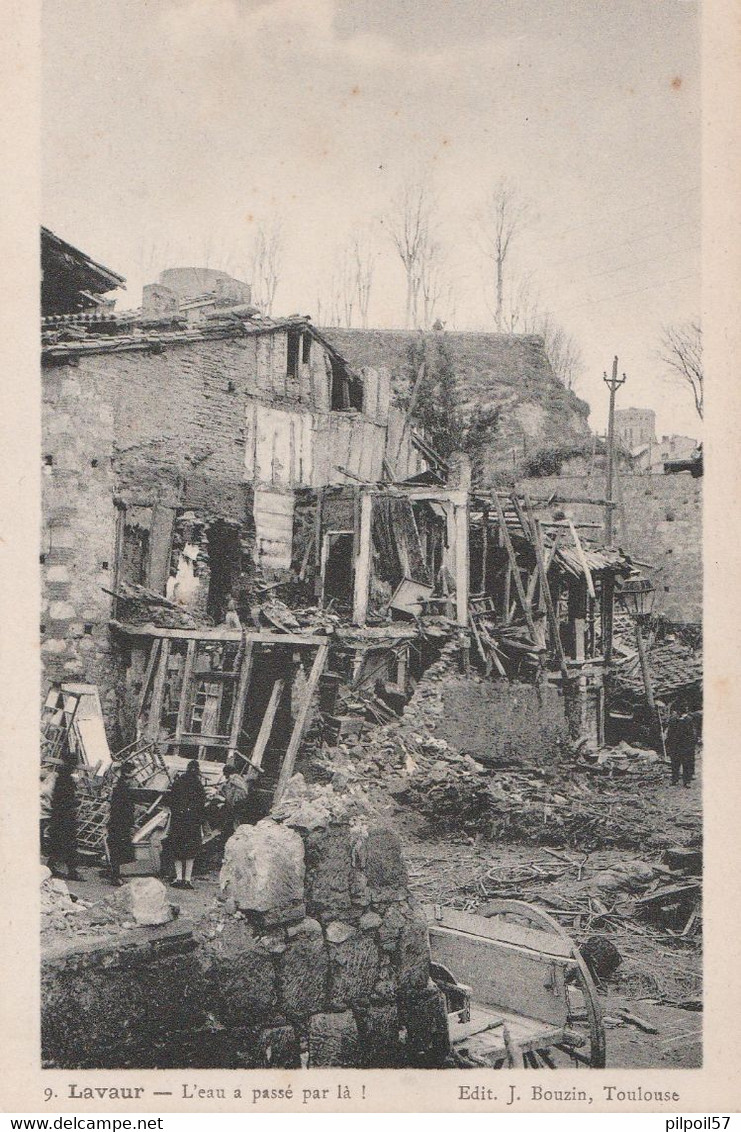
[(584, 1034)]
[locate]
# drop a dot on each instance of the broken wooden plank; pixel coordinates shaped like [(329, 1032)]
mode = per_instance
[(306, 640), (547, 596), (266, 727), (583, 560), (154, 651), (526, 608), (526, 521), (637, 1021), (185, 689), (462, 562), (299, 726), (240, 695), (158, 691), (363, 561)]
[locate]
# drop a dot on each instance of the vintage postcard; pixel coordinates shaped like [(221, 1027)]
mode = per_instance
[(369, 644)]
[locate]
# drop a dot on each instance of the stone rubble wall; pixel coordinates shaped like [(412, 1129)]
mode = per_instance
[(314, 954)]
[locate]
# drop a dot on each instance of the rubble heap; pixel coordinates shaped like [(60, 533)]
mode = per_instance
[(568, 796)]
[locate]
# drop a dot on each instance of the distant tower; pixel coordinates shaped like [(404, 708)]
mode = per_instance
[(635, 428)]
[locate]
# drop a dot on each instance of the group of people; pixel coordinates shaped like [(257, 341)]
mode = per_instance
[(187, 803)]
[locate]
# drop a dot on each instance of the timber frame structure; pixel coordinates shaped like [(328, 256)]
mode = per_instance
[(393, 565), (216, 694), (542, 602)]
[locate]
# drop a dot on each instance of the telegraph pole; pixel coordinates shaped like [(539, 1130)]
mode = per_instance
[(613, 384)]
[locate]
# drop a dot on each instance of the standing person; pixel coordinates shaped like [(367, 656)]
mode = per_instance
[(680, 745), (231, 617), (46, 789), (62, 828), (187, 807), (235, 792), (121, 817)]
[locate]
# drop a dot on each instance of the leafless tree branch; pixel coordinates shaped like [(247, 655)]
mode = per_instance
[(681, 353), (266, 257), (496, 224)]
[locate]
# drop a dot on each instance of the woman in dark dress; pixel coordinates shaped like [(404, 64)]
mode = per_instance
[(187, 808), (121, 817), (62, 828)]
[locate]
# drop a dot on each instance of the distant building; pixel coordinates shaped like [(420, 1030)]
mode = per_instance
[(635, 428), (196, 293)]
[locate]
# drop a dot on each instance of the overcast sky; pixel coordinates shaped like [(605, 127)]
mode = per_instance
[(172, 127)]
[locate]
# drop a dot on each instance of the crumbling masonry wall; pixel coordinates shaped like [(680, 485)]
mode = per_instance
[(658, 520), (315, 955), (78, 537), (164, 426)]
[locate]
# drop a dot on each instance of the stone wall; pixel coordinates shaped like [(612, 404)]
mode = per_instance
[(658, 520), (78, 537), (314, 955), (163, 426)]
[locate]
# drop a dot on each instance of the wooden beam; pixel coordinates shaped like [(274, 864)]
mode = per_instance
[(547, 596), (410, 408), (299, 726), (571, 499), (508, 593), (526, 607), (525, 520), (363, 561), (266, 727), (240, 695), (158, 691), (462, 563), (185, 689), (549, 556), (307, 640), (608, 604), (565, 523), (484, 548), (147, 677), (583, 559)]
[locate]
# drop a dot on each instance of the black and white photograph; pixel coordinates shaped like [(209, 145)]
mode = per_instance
[(371, 540)]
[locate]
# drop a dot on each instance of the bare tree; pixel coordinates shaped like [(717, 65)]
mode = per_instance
[(497, 223), (266, 256), (409, 223), (681, 353), (562, 351), (363, 254), (431, 282), (524, 314)]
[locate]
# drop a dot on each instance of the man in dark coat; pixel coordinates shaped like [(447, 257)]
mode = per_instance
[(680, 742), (62, 828), (121, 816)]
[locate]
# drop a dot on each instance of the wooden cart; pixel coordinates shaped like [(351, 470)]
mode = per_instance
[(517, 990)]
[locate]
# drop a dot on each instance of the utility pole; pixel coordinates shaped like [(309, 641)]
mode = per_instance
[(613, 384)]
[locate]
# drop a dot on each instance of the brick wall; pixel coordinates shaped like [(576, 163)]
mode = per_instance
[(143, 427), (165, 426), (658, 520), (79, 528)]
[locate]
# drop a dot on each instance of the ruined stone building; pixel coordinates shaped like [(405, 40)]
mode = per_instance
[(177, 442)]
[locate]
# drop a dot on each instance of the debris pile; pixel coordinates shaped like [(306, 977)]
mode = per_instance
[(570, 797), (142, 902), (137, 605)]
